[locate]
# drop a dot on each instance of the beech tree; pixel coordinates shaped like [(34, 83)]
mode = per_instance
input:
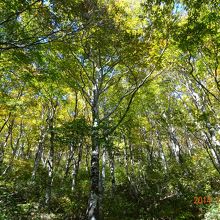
[(109, 109)]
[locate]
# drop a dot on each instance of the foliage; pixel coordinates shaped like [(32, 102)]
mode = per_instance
[(112, 103)]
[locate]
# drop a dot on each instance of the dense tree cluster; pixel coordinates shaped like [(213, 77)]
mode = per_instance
[(109, 109)]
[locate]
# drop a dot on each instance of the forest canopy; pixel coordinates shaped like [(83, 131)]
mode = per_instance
[(109, 109)]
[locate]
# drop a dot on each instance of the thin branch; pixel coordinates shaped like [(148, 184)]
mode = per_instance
[(6, 121), (134, 91), (84, 93), (81, 65), (194, 77), (18, 12)]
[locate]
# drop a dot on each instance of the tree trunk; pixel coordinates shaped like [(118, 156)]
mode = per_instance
[(4, 144), (93, 207), (76, 164), (5, 123), (69, 160), (102, 182), (15, 149), (112, 168), (39, 152), (162, 155), (175, 147), (126, 161), (50, 160)]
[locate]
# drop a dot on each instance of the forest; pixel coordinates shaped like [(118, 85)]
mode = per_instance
[(109, 109)]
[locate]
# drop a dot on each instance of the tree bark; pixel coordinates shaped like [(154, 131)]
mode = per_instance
[(161, 151), (38, 155), (175, 146), (112, 168), (93, 207), (15, 148), (50, 160), (102, 182), (4, 143), (76, 165)]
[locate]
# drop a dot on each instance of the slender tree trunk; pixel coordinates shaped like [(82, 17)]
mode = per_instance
[(4, 143), (59, 158), (76, 165), (129, 162), (5, 123), (112, 168), (38, 155), (15, 148), (175, 147), (126, 161), (69, 160), (40, 147), (18, 146), (162, 155), (188, 142), (73, 174), (93, 207), (87, 159), (50, 160), (213, 140), (212, 144), (102, 182), (214, 153), (50, 165), (131, 158), (27, 154), (93, 210)]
